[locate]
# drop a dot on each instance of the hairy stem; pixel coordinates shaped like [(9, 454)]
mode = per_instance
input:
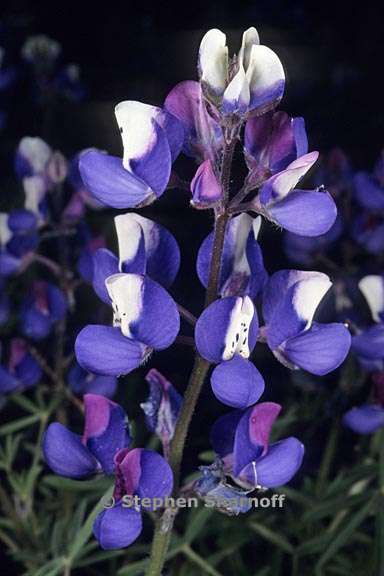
[(163, 530)]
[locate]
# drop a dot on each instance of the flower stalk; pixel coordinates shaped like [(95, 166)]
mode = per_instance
[(164, 525)]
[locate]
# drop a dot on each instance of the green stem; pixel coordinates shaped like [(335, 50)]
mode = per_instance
[(163, 530)]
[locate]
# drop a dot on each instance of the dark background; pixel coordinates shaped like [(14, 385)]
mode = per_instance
[(332, 52), (333, 56)]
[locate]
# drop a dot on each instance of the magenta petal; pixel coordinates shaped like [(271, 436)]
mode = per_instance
[(105, 430), (237, 383), (252, 434), (146, 474)]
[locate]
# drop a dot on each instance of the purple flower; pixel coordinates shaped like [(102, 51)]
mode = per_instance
[(304, 212), (21, 371), (45, 305), (368, 231), (203, 136), (242, 267), (141, 474), (32, 157), (104, 447), (152, 139), (85, 263), (241, 440), (145, 247), (369, 188), (18, 238), (368, 418), (205, 187), (145, 318), (368, 345), (162, 407), (82, 382), (272, 142), (257, 76), (290, 301), (226, 334), (105, 434)]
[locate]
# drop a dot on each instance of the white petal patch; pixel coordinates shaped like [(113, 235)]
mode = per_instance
[(236, 338), (286, 180), (372, 287), (129, 228), (213, 60), (264, 69), (308, 295), (5, 233), (126, 294), (240, 228), (34, 190), (136, 124), (36, 152), (250, 37), (237, 91)]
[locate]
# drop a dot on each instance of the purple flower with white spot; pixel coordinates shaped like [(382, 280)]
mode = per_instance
[(45, 305), (21, 371), (162, 407), (145, 247), (252, 82), (368, 344), (145, 318), (152, 139), (32, 157), (225, 334), (18, 238), (304, 212), (82, 382), (242, 267), (290, 301)]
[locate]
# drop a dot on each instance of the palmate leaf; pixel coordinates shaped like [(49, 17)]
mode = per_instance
[(19, 424)]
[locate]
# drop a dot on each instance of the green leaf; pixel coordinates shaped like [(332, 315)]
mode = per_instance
[(272, 536), (19, 424), (197, 523), (339, 540), (60, 483)]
